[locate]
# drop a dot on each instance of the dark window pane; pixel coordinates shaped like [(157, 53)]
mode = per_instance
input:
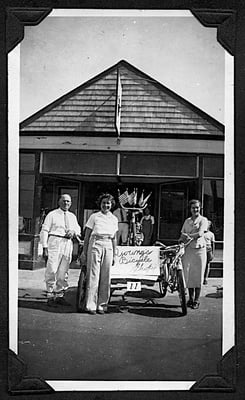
[(158, 164), (27, 162), (214, 167), (26, 203), (172, 213), (26, 200), (213, 205), (27, 182), (173, 207), (79, 163), (26, 191)]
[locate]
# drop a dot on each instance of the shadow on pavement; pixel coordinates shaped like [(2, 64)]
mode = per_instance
[(40, 305), (148, 306), (145, 294), (216, 295), (156, 312), (34, 298), (141, 303)]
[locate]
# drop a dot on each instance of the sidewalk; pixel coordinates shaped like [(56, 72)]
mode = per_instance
[(31, 284)]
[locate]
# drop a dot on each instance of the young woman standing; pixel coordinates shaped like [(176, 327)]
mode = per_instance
[(99, 253), (194, 259)]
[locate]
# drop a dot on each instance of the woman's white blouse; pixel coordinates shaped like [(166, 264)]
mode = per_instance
[(199, 225), (103, 224)]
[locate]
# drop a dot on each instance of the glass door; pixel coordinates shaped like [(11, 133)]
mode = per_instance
[(173, 203)]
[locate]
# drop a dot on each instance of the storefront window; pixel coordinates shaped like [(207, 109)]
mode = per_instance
[(97, 163), (158, 164), (213, 167), (213, 205), (26, 191), (172, 214), (174, 208)]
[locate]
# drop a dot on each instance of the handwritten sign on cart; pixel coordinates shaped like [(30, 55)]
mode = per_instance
[(136, 262)]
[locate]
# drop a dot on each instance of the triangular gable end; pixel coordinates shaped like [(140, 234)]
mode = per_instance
[(147, 108)]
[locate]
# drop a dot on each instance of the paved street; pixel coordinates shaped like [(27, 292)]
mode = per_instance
[(136, 340)]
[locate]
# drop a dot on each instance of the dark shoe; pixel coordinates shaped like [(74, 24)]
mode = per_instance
[(51, 302), (62, 302), (189, 303), (91, 312), (100, 312), (195, 305)]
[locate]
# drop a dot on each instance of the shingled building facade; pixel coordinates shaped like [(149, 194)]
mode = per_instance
[(122, 129)]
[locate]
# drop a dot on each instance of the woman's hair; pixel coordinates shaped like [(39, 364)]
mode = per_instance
[(194, 201), (107, 196)]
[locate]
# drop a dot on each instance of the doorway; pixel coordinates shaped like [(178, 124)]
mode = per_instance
[(173, 208), (92, 190)]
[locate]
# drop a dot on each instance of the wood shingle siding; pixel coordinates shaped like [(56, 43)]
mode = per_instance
[(147, 108)]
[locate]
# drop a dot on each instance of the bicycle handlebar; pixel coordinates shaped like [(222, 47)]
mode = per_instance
[(133, 208), (172, 247)]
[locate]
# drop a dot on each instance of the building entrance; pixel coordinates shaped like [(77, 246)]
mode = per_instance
[(92, 190), (168, 202), (174, 198)]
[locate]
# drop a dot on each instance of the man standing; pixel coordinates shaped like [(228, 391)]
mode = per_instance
[(59, 228)]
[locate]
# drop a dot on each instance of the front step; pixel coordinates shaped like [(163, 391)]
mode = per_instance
[(216, 269), (216, 266)]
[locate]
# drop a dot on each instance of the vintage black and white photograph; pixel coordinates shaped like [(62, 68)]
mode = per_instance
[(120, 183)]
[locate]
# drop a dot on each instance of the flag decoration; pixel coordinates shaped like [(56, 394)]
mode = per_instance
[(132, 200), (123, 198), (145, 200), (141, 199)]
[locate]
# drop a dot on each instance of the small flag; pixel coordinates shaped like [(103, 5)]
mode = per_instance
[(123, 198), (141, 199), (135, 196), (132, 199), (145, 200)]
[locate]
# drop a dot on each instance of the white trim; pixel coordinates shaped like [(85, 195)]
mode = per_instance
[(160, 176), (118, 163), (119, 13), (41, 163), (229, 209), (119, 385), (13, 175), (197, 167), (43, 142)]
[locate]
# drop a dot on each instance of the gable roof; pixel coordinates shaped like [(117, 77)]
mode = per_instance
[(147, 108)]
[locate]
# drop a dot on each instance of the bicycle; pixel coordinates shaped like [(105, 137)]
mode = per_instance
[(135, 236), (171, 272)]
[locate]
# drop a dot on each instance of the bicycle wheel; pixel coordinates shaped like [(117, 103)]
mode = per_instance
[(81, 290), (181, 291), (163, 280), (163, 286)]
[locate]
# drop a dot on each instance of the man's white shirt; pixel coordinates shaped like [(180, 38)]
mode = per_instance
[(56, 224)]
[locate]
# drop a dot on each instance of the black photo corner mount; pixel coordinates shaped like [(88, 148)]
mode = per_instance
[(17, 19), (224, 380), (18, 381), (225, 22)]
